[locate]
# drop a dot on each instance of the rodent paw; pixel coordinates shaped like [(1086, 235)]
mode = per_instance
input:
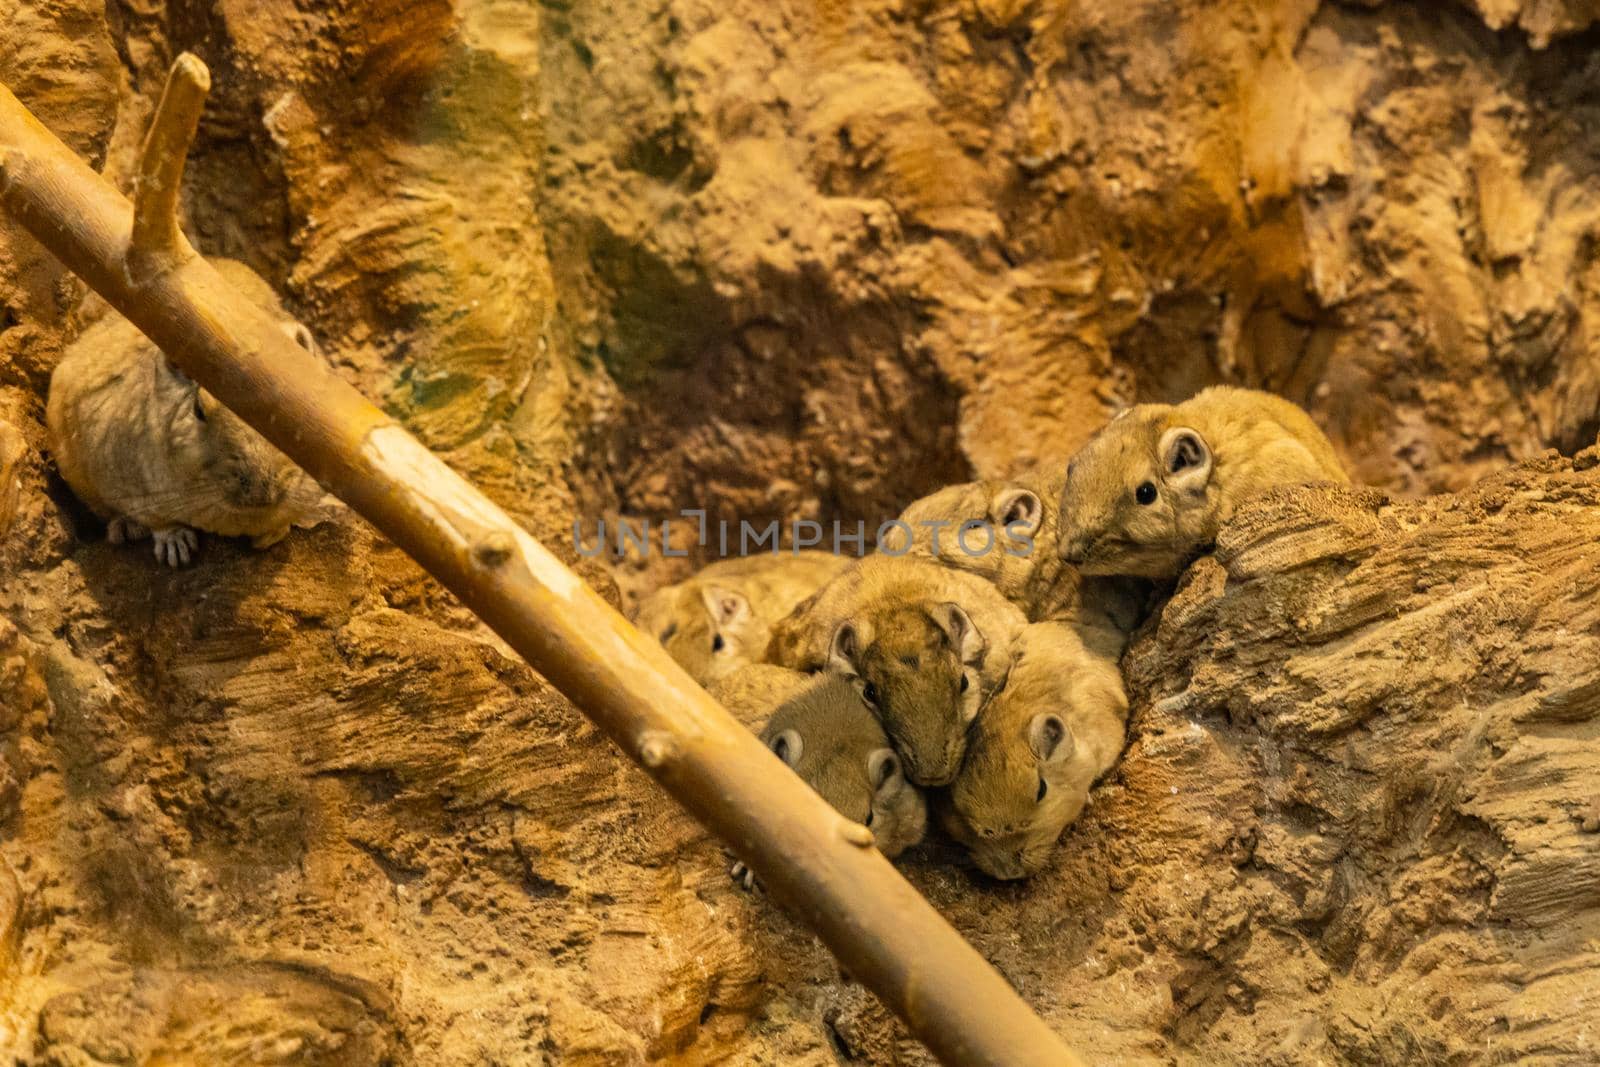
[(176, 546), (743, 877), (123, 529)]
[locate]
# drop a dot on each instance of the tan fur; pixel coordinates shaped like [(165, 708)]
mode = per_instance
[(841, 746), (1021, 558), (994, 807), (801, 639), (1256, 441), (765, 588), (1026, 568), (143, 446), (924, 689), (752, 690)]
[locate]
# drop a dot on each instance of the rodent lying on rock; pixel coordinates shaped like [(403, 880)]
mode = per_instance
[(722, 618), (926, 671), (1042, 741), (1150, 491), (830, 739), (152, 453), (926, 644)]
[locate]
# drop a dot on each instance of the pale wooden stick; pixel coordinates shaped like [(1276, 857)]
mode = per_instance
[(157, 240)]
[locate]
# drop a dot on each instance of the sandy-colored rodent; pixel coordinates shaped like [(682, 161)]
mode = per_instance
[(926, 671), (830, 739), (926, 644), (1044, 739), (1150, 491), (152, 453), (722, 617)]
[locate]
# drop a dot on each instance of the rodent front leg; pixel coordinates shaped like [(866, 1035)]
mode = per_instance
[(176, 545), (123, 529)]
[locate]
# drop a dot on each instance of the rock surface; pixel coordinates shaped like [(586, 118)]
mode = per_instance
[(615, 259)]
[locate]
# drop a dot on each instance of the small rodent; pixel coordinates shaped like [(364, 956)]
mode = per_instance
[(722, 617), (1150, 491), (1046, 737), (832, 741), (926, 671), (152, 453)]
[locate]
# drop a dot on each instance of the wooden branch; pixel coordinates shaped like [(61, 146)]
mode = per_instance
[(158, 241), (809, 856)]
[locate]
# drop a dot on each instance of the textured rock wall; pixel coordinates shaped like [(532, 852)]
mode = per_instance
[(812, 260)]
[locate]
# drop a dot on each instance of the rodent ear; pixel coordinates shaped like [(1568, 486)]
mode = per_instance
[(1185, 459), (301, 336), (1050, 738), (844, 648), (883, 771), (725, 605), (788, 746), (1019, 508), (963, 635)]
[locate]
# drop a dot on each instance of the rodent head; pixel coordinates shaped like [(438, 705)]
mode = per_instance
[(918, 667), (1136, 499), (1016, 793), (830, 739), (709, 629)]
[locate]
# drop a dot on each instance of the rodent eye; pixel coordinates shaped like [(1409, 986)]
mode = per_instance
[(869, 693), (869, 819), (717, 643), (1146, 493), (199, 409), (1043, 789), (963, 683)]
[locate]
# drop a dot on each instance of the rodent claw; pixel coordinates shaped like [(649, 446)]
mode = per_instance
[(175, 547), (743, 877)]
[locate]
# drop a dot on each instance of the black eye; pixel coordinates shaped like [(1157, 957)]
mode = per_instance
[(963, 683), (199, 412), (869, 819), (1043, 789), (1146, 493), (870, 694), (716, 643)]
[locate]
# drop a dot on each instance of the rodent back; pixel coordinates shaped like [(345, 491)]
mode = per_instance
[(1156, 484)]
